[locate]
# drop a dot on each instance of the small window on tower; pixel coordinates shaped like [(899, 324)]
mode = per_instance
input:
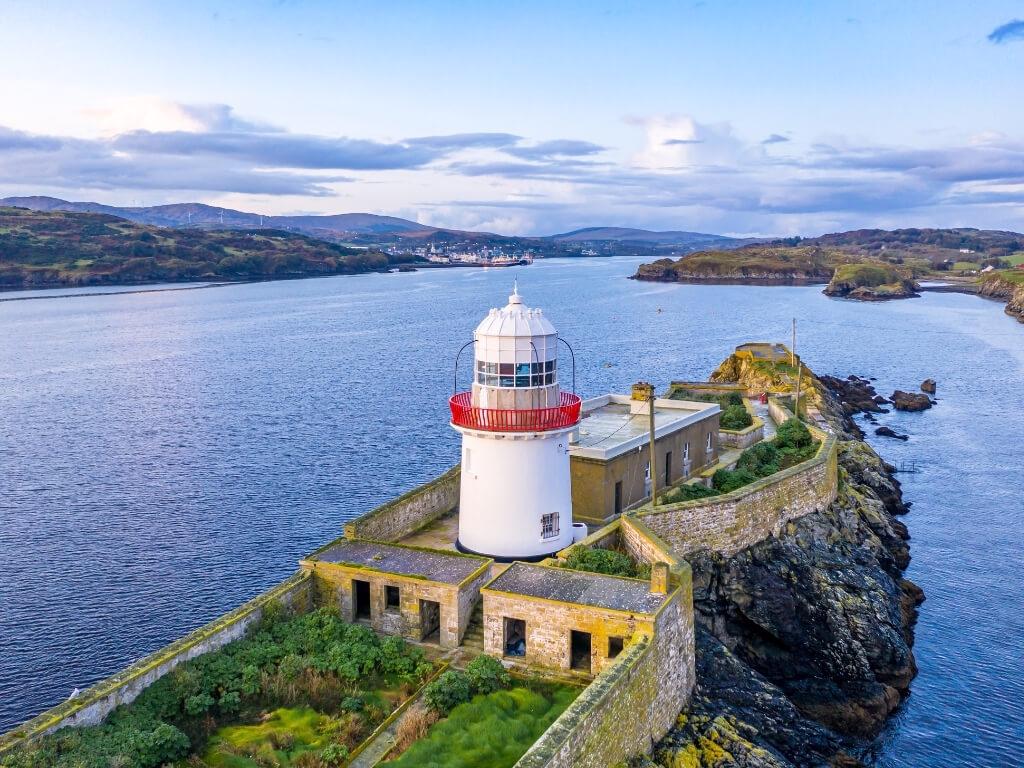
[(549, 525)]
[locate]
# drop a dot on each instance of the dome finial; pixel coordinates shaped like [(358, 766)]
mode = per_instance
[(514, 298)]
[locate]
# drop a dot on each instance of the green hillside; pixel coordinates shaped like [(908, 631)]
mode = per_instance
[(56, 248)]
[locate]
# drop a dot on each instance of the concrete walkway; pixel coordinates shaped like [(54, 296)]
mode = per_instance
[(379, 747), (762, 413)]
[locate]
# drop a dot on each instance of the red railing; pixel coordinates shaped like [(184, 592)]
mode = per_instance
[(566, 414)]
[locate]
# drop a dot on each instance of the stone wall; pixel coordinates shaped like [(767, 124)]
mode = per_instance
[(409, 512), (334, 587), (91, 706), (734, 521), (548, 627), (632, 703)]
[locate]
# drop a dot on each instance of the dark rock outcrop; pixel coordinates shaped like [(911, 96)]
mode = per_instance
[(890, 432), (910, 401), (1008, 287), (805, 638), (928, 385)]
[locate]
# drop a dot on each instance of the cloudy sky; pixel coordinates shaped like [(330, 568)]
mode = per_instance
[(526, 117)]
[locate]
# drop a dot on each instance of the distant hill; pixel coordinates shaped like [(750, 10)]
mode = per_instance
[(645, 236), (46, 248), (390, 232), (210, 217)]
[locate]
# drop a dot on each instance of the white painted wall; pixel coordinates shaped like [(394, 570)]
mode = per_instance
[(507, 484)]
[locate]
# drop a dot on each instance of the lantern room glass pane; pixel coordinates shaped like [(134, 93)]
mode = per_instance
[(549, 365), (522, 369), (507, 381), (507, 369), (523, 381)]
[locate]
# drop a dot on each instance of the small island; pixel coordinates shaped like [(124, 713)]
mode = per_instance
[(865, 265)]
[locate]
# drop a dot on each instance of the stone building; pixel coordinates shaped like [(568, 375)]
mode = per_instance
[(561, 619), (609, 454), (420, 594)]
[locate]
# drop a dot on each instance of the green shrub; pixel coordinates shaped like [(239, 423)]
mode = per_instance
[(448, 691), (198, 704), (725, 480), (761, 459), (605, 561), (334, 754), (688, 493), (735, 417), (732, 399), (229, 702), (793, 433), (486, 675)]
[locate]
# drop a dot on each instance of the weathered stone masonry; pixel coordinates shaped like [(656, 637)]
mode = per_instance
[(633, 703), (409, 512), (734, 521)]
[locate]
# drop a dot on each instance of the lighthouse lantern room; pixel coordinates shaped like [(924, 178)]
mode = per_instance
[(515, 500)]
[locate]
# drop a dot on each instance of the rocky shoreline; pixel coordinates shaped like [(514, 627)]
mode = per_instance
[(805, 642), (1010, 291)]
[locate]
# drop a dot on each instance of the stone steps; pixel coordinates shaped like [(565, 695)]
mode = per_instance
[(474, 638)]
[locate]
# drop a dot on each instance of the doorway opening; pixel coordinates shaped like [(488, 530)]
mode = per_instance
[(430, 621), (514, 637), (361, 599), (579, 650)]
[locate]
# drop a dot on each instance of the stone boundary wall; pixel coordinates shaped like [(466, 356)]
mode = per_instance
[(779, 412), (742, 518), (631, 704), (91, 706), (409, 512)]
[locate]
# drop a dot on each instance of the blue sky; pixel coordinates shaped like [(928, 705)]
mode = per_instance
[(529, 117)]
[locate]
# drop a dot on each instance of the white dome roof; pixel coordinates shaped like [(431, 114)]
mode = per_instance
[(515, 320)]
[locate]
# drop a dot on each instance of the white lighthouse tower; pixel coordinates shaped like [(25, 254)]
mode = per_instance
[(516, 500)]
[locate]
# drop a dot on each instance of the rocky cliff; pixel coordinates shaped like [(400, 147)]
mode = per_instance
[(1009, 288), (806, 637)]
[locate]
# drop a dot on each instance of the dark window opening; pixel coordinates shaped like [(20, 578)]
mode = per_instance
[(614, 647), (514, 640), (618, 498), (549, 525), (392, 597), (361, 599), (579, 650), (668, 468)]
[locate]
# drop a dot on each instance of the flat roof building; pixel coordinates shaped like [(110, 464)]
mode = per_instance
[(609, 454)]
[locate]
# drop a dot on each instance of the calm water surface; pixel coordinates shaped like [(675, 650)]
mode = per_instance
[(166, 456)]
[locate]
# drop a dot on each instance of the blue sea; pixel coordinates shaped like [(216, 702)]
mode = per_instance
[(165, 456)]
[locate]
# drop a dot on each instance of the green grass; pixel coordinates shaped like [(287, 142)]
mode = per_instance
[(965, 265), (1016, 259), (490, 731), (293, 730)]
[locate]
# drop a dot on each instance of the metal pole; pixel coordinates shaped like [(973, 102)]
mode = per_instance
[(654, 466), (792, 348), (799, 375)]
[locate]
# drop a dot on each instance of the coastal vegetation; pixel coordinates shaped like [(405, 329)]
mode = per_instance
[(56, 248), (793, 444), (606, 561), (734, 413), (298, 690), (493, 729)]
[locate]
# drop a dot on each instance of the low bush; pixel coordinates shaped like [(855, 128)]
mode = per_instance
[(735, 417), (793, 444), (412, 727), (448, 691), (486, 675), (607, 561), (688, 493), (726, 480)]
